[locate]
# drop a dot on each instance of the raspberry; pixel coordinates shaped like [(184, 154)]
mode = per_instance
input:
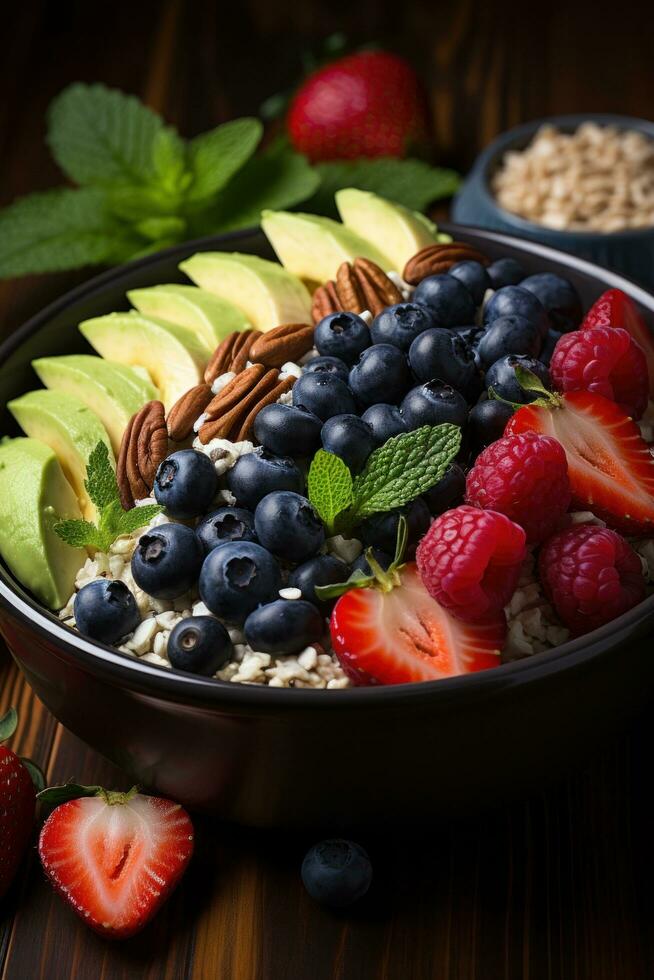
[(524, 476), (469, 561), (606, 361), (590, 575)]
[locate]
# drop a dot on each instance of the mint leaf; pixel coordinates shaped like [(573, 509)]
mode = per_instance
[(413, 183), (169, 162), (79, 534), (403, 468), (100, 136), (330, 486), (100, 480), (215, 156), (132, 520)]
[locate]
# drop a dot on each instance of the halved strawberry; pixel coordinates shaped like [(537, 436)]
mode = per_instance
[(114, 857), (610, 467), (615, 309), (403, 635)]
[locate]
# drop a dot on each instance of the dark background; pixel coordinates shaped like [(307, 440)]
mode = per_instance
[(558, 887)]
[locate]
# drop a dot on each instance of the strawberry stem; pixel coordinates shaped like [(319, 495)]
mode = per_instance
[(55, 795), (114, 798)]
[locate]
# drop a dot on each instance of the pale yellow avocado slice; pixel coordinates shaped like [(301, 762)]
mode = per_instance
[(267, 293), (173, 356), (210, 317), (313, 247), (34, 495), (113, 391), (71, 430)]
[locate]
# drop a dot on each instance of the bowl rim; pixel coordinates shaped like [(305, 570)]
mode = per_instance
[(517, 134), (117, 667)]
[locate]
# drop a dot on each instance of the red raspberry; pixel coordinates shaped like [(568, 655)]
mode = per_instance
[(524, 476), (590, 575), (606, 361), (469, 561)]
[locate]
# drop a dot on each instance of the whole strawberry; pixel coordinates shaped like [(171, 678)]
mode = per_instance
[(369, 104), (17, 805)]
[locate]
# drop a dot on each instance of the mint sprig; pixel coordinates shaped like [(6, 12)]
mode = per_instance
[(113, 521), (330, 487)]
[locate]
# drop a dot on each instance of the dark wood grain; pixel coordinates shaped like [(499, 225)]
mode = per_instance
[(557, 887)]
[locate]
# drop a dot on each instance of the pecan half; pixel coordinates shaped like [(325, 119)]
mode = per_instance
[(186, 411), (435, 259), (231, 354), (144, 445), (359, 286), (234, 409), (325, 301), (289, 342)]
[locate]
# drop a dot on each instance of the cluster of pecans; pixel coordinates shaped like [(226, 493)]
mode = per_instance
[(597, 178)]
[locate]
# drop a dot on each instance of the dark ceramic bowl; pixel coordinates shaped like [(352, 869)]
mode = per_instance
[(630, 252), (306, 758)]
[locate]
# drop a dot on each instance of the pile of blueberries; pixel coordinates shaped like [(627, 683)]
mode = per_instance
[(422, 362)]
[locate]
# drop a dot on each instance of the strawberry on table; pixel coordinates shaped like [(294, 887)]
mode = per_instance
[(615, 309), (114, 857), (17, 804)]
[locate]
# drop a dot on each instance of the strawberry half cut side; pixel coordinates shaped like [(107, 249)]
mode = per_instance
[(403, 635), (115, 857), (615, 309), (610, 467)]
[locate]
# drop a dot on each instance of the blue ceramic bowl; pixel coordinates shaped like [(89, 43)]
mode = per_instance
[(630, 252)]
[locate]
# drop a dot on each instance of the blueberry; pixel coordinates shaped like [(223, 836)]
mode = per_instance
[(487, 422), (258, 473), (323, 394), (238, 577), (448, 492), (501, 378), (224, 525), (400, 324), (287, 430), (443, 354), (559, 297), (327, 365), (385, 421), (105, 610), (284, 626), (505, 272), (321, 570), (382, 558), (433, 403), (288, 525), (509, 335), (552, 339), (342, 335), (185, 484), (447, 298), (516, 301), (380, 375), (167, 561), (336, 873), (349, 437), (200, 645), (380, 530), (473, 276)]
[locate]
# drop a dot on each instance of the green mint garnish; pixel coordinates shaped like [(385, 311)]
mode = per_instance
[(113, 521), (330, 487)]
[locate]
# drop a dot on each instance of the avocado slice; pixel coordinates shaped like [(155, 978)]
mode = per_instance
[(114, 392), (313, 247), (210, 317), (267, 294), (34, 494), (173, 356), (69, 428)]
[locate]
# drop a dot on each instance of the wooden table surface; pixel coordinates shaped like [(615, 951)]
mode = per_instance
[(556, 887)]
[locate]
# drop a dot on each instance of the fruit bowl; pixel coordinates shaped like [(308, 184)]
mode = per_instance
[(278, 757)]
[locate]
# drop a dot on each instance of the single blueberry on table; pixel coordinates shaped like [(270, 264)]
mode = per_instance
[(238, 577), (106, 610), (473, 276), (224, 525), (327, 365), (509, 335), (360, 564), (399, 325), (380, 530), (342, 335), (516, 301), (559, 297), (321, 570), (505, 272), (380, 375), (336, 873), (185, 484), (448, 299), (443, 354), (350, 438), (167, 560), (199, 645), (284, 626), (448, 492), (258, 473), (433, 403), (487, 423), (288, 525), (323, 394), (502, 379), (288, 430), (385, 422), (552, 339)]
